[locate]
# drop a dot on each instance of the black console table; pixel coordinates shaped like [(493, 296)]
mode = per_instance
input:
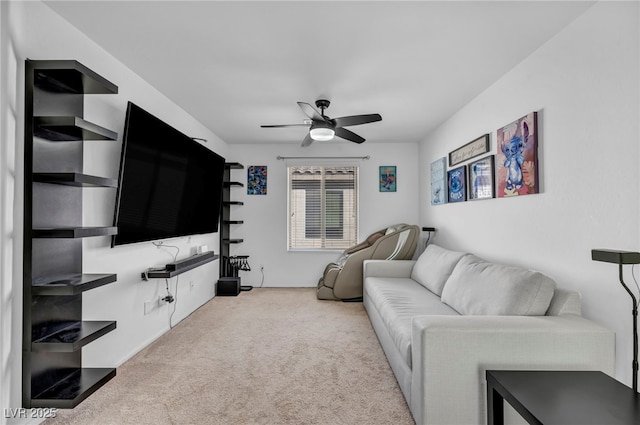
[(561, 398)]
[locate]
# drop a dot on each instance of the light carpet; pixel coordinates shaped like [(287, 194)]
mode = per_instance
[(268, 356)]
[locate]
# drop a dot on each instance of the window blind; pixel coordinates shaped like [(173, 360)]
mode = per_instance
[(323, 207)]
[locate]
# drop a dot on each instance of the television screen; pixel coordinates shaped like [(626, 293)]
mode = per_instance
[(170, 185)]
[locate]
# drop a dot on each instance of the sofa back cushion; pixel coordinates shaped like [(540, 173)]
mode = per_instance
[(565, 302), (434, 266), (478, 287)]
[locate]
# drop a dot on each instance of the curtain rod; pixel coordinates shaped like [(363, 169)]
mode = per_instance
[(322, 157)]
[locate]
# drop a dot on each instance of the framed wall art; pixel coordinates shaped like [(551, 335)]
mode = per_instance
[(439, 181), (257, 180), (481, 178), (472, 149), (457, 184), (517, 157), (387, 178)]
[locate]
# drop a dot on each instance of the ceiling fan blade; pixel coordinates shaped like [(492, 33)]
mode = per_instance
[(307, 141), (348, 135), (311, 112), (356, 120), (284, 125)]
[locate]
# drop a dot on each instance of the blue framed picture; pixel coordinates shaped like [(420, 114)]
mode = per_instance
[(387, 178), (457, 184), (257, 180), (481, 179)]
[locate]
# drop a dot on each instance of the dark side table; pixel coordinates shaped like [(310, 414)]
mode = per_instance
[(561, 398)]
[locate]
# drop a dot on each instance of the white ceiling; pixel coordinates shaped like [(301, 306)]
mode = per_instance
[(235, 65)]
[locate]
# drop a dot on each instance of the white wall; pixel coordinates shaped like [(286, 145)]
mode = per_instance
[(584, 85), (32, 30), (265, 228)]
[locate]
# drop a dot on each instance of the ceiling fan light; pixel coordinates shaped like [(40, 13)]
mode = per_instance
[(322, 134)]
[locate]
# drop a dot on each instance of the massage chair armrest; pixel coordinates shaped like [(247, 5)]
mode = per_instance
[(330, 274)]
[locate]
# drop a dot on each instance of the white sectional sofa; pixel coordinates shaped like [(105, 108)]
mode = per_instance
[(447, 317)]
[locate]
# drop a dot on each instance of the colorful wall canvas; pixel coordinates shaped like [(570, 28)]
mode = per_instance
[(257, 180), (439, 181), (387, 178), (517, 157), (457, 184)]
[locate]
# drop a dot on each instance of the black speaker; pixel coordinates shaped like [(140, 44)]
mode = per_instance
[(228, 286)]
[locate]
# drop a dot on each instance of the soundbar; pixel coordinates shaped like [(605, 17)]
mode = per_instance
[(190, 261)]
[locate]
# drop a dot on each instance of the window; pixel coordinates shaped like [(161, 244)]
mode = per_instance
[(323, 207)]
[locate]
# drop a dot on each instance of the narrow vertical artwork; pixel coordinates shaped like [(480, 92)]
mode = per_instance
[(387, 178), (257, 180), (517, 157), (439, 181)]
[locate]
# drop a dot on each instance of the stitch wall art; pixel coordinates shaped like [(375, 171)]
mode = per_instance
[(387, 178), (481, 174), (257, 180), (439, 181), (517, 157), (457, 184)]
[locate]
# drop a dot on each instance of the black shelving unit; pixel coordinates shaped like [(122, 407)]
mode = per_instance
[(53, 280), (229, 282)]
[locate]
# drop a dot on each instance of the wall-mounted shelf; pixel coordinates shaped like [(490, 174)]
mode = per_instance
[(74, 232), (231, 241), (74, 179), (232, 203), (71, 284), (233, 184), (53, 280), (70, 76), (180, 267), (232, 221), (73, 388), (70, 129), (64, 337)]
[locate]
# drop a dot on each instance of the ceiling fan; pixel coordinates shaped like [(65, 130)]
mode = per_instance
[(323, 128)]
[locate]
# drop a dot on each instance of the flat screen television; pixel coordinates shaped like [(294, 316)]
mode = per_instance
[(169, 185)]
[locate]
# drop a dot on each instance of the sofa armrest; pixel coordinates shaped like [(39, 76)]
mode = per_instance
[(451, 354), (387, 268)]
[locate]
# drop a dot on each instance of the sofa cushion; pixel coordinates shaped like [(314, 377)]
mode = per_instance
[(478, 287), (397, 300), (434, 266)]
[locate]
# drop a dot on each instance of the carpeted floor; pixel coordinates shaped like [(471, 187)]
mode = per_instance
[(268, 356)]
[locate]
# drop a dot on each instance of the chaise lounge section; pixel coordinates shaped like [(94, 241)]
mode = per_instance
[(447, 317)]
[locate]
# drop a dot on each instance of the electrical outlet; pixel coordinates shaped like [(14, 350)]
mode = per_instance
[(149, 306), (161, 301)]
